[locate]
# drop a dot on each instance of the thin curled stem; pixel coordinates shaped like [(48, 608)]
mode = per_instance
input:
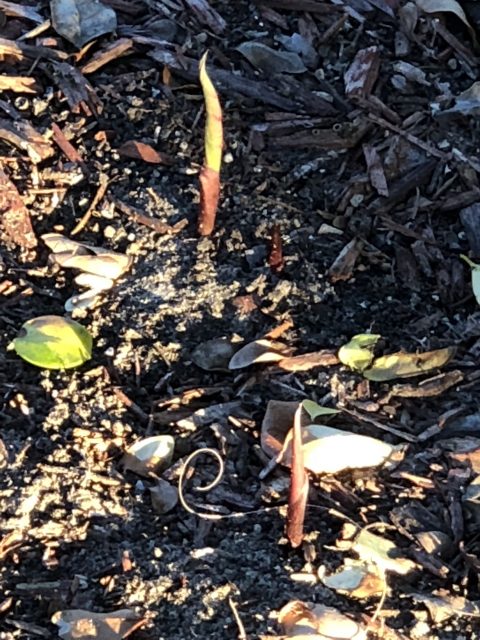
[(181, 482)]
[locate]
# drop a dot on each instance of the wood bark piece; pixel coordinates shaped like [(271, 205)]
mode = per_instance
[(342, 135), (362, 74), (22, 51), (206, 15), (76, 88), (16, 10), (14, 215), (112, 52), (22, 135), (18, 84), (67, 147), (228, 82), (142, 151)]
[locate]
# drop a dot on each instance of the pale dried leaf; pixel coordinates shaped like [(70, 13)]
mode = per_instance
[(259, 351), (78, 624), (372, 548), (330, 450), (300, 620), (150, 455), (82, 20), (407, 365), (270, 60)]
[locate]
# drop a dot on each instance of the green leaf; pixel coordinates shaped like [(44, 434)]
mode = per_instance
[(406, 365), (314, 410), (358, 353), (475, 276), (53, 342)]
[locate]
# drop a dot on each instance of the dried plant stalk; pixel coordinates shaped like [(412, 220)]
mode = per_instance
[(297, 499)]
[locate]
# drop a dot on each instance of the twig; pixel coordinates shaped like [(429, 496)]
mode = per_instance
[(102, 188), (409, 136), (241, 629), (134, 408), (380, 425)]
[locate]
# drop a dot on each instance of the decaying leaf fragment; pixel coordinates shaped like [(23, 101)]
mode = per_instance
[(100, 267), (358, 352), (375, 549), (259, 351), (407, 365), (210, 172), (164, 496), (78, 624), (446, 6), (356, 579), (301, 620), (475, 277), (150, 455), (82, 20), (443, 605)]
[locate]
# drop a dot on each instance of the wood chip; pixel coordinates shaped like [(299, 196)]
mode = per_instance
[(14, 215)]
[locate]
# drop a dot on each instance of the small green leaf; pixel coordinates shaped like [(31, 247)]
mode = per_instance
[(314, 410), (475, 276), (358, 353), (53, 342)]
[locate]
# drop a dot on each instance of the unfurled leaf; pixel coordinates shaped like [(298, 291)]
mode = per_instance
[(214, 126), (407, 365), (358, 353), (314, 410), (475, 277), (53, 342), (298, 494), (210, 172)]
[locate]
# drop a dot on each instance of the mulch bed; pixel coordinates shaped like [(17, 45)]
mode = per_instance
[(350, 187)]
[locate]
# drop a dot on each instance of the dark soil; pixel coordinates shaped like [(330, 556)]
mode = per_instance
[(79, 532)]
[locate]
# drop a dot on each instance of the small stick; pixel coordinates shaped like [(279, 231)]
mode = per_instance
[(241, 629), (102, 188), (67, 147)]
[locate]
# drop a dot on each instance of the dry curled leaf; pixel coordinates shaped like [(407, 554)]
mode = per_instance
[(78, 624), (406, 365), (150, 455)]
